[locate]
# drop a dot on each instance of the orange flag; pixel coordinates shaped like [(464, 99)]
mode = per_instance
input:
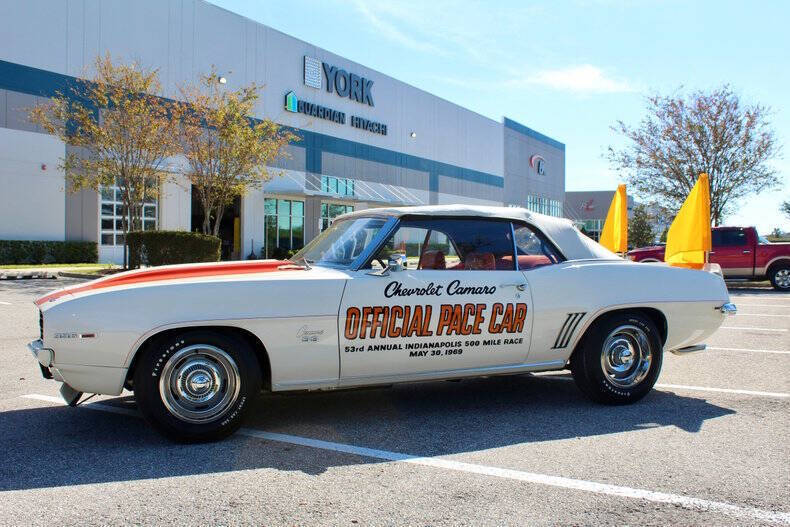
[(614, 235), (688, 238)]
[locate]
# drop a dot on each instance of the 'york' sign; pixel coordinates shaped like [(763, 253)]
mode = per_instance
[(348, 85), (338, 80)]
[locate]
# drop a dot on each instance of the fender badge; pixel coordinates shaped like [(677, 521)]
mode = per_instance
[(75, 335), (306, 334)]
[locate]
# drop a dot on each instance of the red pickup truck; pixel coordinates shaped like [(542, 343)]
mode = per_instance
[(741, 253)]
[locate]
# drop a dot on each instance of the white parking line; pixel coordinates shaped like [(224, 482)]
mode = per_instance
[(748, 328), (686, 502), (5, 303), (780, 352), (760, 315), (682, 387), (740, 304), (722, 390)]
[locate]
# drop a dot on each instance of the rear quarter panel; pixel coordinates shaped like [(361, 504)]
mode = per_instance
[(687, 299)]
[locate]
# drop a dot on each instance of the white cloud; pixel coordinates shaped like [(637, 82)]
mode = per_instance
[(584, 79)]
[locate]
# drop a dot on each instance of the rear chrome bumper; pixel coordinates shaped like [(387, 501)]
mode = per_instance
[(689, 349)]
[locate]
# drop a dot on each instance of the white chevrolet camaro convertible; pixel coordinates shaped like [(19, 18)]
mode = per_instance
[(382, 296)]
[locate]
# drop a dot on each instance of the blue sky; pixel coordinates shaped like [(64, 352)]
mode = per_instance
[(568, 69)]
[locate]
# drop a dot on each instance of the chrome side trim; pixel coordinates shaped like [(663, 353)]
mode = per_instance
[(689, 349)]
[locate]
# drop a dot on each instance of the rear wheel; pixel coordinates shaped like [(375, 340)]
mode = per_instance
[(198, 385), (619, 359), (780, 277)]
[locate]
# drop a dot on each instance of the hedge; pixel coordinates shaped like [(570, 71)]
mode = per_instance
[(171, 247), (41, 252)]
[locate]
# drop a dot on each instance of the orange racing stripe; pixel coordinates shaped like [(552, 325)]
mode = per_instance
[(156, 274)]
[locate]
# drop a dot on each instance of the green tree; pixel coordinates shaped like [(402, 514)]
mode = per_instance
[(785, 208), (682, 136), (226, 151), (640, 227), (123, 132)]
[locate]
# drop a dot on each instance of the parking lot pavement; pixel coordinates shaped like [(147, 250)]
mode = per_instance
[(709, 446)]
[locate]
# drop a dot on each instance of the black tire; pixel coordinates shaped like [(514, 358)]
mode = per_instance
[(621, 334), (780, 277), (203, 407)]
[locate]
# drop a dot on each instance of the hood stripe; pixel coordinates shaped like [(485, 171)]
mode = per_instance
[(157, 274)]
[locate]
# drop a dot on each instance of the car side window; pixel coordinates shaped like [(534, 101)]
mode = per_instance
[(532, 250), (456, 244), (728, 238)]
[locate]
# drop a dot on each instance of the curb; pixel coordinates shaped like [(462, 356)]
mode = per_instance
[(66, 274), (27, 275)]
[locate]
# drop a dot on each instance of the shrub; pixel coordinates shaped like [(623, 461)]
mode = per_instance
[(171, 247), (280, 253), (40, 252)]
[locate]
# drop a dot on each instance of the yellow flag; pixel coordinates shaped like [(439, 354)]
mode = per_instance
[(614, 235), (688, 238)]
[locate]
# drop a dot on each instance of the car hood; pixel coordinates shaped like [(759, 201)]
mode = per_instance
[(174, 272)]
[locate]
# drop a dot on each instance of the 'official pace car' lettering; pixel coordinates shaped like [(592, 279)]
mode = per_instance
[(416, 321)]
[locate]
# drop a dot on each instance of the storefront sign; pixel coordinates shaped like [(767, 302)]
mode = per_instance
[(338, 80), (293, 104)]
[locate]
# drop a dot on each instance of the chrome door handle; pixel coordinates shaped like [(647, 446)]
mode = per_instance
[(519, 285), (746, 251)]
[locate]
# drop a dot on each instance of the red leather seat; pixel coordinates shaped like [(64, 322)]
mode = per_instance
[(433, 259), (480, 262)]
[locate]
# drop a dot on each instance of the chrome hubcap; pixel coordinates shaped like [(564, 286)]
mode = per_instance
[(626, 356), (199, 383), (782, 278)]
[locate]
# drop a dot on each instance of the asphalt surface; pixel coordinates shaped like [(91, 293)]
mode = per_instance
[(710, 445)]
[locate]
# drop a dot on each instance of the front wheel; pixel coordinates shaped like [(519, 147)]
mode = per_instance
[(780, 277), (619, 359), (197, 385)]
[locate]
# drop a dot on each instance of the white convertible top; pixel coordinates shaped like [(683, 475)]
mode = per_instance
[(573, 244)]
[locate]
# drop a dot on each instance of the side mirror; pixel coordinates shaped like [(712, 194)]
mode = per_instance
[(397, 262)]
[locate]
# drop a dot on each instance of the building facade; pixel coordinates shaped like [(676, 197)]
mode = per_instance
[(588, 209), (366, 139)]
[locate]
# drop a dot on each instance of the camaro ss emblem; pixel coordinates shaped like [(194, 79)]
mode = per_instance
[(75, 335), (306, 334)]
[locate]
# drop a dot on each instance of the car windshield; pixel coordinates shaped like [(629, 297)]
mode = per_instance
[(341, 243)]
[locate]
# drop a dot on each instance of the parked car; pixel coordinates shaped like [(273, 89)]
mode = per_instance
[(382, 296), (741, 253)]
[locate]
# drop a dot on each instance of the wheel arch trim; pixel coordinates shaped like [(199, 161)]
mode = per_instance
[(656, 315), (222, 326)]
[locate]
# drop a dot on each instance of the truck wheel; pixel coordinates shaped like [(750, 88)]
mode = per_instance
[(780, 277), (197, 385), (619, 359)]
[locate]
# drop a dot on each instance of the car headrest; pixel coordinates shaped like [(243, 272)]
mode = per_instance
[(480, 262), (433, 259)]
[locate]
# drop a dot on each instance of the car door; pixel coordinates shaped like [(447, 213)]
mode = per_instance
[(458, 304), (732, 252)]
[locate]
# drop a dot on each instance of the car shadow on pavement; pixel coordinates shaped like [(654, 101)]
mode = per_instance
[(56, 446)]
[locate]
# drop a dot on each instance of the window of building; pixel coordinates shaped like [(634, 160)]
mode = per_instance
[(113, 214), (541, 205), (591, 228), (330, 211), (284, 226), (339, 186)]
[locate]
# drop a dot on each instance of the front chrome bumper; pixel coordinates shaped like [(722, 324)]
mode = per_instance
[(689, 349), (45, 358)]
